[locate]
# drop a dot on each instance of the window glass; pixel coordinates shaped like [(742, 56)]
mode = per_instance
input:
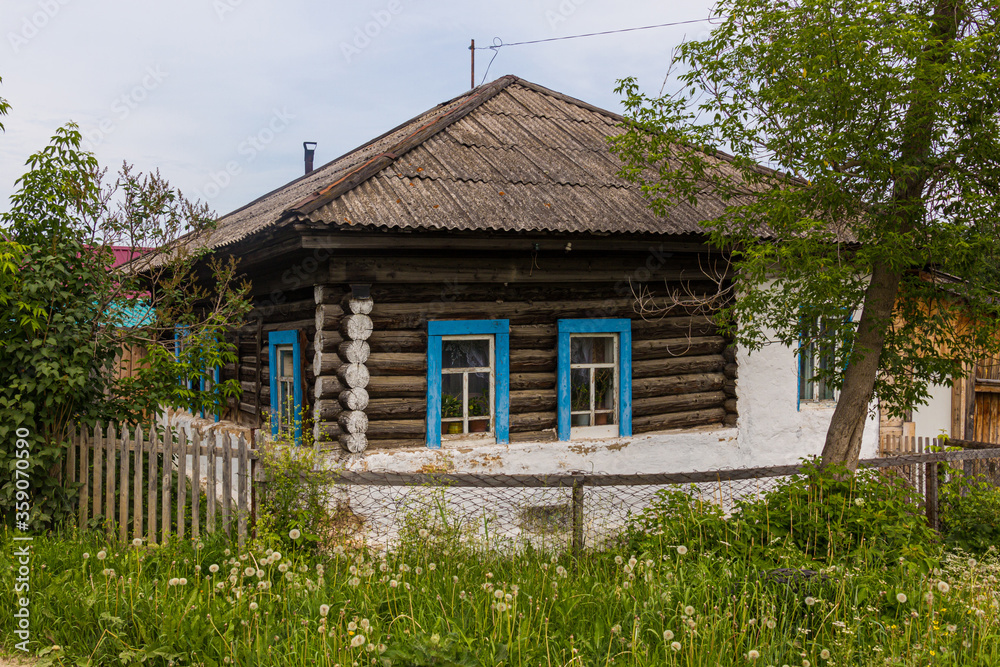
[(818, 353), (593, 379), (467, 379)]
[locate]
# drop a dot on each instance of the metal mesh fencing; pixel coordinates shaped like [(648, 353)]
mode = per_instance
[(558, 512)]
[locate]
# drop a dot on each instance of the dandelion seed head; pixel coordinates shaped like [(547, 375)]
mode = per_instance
[(676, 646), (668, 635), (753, 654), (943, 586), (689, 610), (825, 653), (682, 549), (294, 533), (101, 555), (213, 568)]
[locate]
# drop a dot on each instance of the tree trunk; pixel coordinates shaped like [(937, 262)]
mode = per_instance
[(843, 439)]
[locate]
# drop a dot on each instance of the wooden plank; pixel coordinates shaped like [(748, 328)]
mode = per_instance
[(137, 484), (110, 446), (662, 405), (227, 481), (196, 485), (258, 338), (678, 420), (124, 484), (168, 466), (85, 475), (98, 491), (243, 506), (211, 486), (182, 457), (154, 456)]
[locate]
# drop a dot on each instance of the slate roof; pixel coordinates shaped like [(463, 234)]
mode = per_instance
[(507, 156)]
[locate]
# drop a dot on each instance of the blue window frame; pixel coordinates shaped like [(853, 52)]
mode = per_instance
[(471, 339), (584, 367), (819, 347), (180, 333), (285, 363)]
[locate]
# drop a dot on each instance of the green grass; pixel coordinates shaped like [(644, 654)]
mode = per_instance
[(433, 603)]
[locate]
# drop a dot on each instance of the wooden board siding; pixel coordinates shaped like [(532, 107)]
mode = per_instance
[(684, 374)]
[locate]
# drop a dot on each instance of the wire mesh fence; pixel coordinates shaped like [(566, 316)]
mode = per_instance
[(576, 511)]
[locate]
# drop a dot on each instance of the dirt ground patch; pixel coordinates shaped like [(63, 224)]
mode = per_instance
[(14, 661)]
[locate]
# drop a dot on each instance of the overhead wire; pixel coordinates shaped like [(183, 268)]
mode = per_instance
[(498, 43)]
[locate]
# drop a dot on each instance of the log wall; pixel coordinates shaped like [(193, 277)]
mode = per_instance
[(684, 371)]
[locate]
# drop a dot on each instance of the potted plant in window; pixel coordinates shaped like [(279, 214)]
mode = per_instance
[(603, 382), (451, 406), (479, 406), (580, 401)]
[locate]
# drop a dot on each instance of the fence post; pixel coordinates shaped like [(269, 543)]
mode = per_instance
[(577, 546), (931, 477)]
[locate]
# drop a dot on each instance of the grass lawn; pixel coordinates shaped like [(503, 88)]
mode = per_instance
[(841, 580)]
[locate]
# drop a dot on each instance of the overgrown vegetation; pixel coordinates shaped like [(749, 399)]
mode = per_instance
[(67, 316), (819, 571)]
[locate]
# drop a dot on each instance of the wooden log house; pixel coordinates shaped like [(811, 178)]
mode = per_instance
[(469, 277)]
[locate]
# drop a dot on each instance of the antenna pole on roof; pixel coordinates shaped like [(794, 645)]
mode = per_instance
[(472, 51)]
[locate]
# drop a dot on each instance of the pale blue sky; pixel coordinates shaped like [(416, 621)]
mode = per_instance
[(191, 86)]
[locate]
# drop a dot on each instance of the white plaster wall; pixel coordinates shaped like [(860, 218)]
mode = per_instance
[(933, 419), (773, 428)]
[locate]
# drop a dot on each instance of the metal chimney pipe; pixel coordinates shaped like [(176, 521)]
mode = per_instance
[(310, 150)]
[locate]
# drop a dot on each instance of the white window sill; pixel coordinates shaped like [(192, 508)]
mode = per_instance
[(593, 432), (818, 405), (468, 439)]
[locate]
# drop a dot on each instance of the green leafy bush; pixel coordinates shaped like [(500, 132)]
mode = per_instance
[(969, 513), (818, 515)]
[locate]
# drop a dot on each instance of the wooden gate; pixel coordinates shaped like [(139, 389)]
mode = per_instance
[(986, 418)]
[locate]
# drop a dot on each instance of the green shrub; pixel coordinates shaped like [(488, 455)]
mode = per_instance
[(818, 515), (970, 514)]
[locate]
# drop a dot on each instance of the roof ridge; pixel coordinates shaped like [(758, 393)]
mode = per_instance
[(377, 163)]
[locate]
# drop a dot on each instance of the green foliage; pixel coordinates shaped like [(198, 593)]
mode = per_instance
[(879, 120), (436, 603), (297, 496), (64, 311), (819, 516), (969, 513), (451, 405)]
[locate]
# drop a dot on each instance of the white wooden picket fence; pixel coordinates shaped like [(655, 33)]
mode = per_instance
[(126, 476)]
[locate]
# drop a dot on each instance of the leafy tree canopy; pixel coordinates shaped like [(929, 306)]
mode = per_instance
[(67, 316), (880, 121)]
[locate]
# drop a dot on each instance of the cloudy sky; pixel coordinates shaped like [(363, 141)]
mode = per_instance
[(220, 94)]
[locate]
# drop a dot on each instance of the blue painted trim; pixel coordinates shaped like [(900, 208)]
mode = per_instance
[(621, 326), (433, 391), (500, 330), (468, 327), (274, 339)]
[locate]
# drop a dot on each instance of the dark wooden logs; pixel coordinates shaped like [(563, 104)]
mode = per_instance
[(677, 384), (328, 316), (662, 405), (532, 421), (678, 420), (532, 381), (677, 366), (385, 429), (677, 347), (325, 363), (328, 387), (396, 408), (533, 400), (327, 410), (385, 386)]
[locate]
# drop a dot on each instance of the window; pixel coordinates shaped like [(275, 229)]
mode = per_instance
[(286, 382), (594, 378), (181, 333), (817, 354), (468, 380)]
